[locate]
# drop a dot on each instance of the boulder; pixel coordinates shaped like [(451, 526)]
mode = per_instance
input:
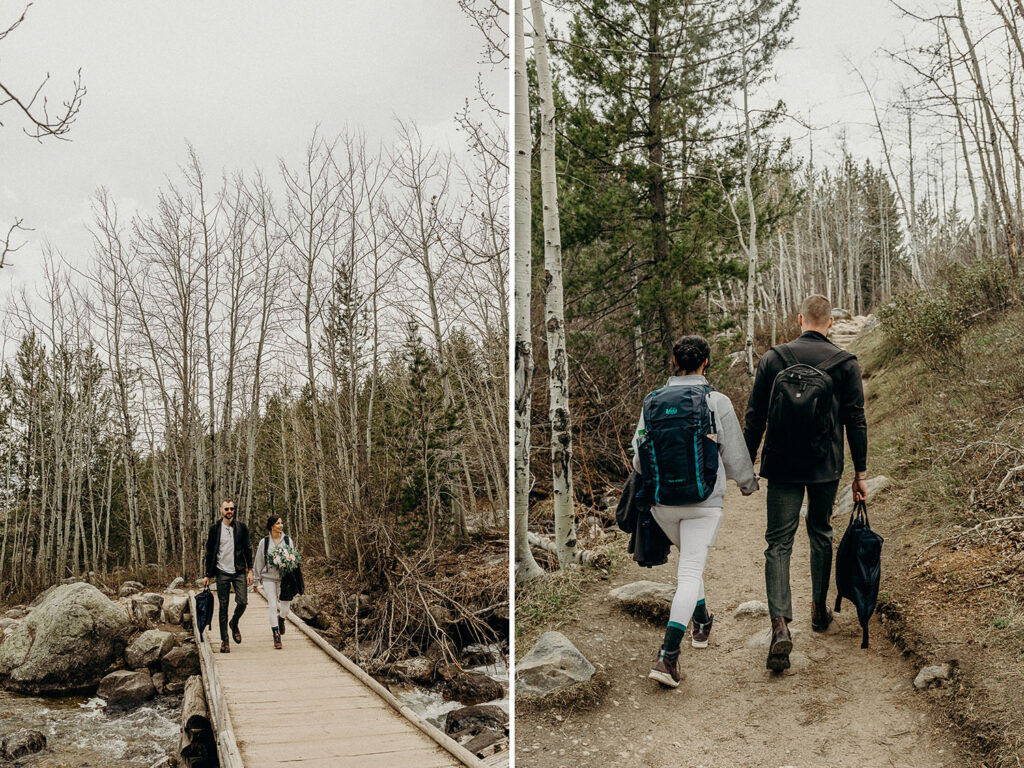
[(21, 743), (178, 582), (126, 687), (418, 669), (158, 681), (5, 623), (644, 590), (18, 612), (553, 663), (841, 314), (130, 588), (844, 503), (154, 599), (175, 607), (360, 604), (478, 655), (751, 609), (475, 719), (473, 688), (66, 644), (178, 663), (306, 608), (147, 649), (933, 676)]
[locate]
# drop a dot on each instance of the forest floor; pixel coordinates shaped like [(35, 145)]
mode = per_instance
[(836, 706)]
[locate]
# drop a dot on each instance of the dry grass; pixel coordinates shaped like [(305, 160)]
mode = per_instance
[(953, 579), (570, 699)]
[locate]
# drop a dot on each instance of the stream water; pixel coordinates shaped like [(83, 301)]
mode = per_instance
[(81, 732), (431, 705)]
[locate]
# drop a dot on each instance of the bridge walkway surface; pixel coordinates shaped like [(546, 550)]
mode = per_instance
[(309, 706)]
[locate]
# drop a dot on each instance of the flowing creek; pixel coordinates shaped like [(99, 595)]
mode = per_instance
[(81, 733), (431, 705)]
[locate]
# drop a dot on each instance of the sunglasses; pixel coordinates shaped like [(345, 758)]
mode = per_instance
[(229, 509)]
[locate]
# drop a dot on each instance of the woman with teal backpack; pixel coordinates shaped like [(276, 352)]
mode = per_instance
[(687, 444)]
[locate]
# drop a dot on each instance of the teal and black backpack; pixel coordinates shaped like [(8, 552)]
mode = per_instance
[(678, 448)]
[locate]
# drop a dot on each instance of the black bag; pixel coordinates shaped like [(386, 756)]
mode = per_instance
[(204, 611), (859, 567), (649, 544), (292, 584), (678, 455), (802, 412)]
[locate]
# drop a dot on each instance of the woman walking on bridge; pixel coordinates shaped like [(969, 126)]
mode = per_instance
[(277, 571)]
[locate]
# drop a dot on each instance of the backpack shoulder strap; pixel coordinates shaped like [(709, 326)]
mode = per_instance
[(837, 359), (786, 354)]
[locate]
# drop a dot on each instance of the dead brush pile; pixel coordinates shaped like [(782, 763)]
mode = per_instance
[(432, 602)]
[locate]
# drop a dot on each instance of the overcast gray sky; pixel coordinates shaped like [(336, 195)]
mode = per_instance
[(245, 82)]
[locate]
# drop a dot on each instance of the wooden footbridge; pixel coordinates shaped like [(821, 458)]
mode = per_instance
[(308, 705)]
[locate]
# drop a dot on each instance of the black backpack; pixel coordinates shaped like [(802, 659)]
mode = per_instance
[(678, 455), (859, 567), (802, 411)]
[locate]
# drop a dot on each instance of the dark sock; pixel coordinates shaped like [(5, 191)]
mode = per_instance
[(700, 613), (673, 638)]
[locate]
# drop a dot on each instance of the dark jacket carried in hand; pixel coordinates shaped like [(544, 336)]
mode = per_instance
[(647, 543), (243, 549), (811, 348)]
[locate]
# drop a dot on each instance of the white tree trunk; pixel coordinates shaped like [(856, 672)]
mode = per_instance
[(554, 314), (526, 566)]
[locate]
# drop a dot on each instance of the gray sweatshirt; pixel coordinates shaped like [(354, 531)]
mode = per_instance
[(263, 569), (733, 457)]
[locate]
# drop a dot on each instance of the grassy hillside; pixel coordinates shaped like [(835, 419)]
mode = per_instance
[(947, 424)]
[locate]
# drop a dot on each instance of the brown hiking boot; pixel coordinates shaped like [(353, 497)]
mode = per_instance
[(234, 632), (280, 625), (700, 632), (781, 645), (666, 671), (277, 638), (821, 617), (225, 647)]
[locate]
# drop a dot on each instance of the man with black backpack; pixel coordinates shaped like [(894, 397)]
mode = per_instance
[(805, 393)]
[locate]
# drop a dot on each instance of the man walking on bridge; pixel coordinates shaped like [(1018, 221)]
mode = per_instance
[(804, 394), (229, 562)]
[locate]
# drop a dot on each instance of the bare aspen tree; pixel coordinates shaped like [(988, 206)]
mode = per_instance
[(554, 312), (526, 566)]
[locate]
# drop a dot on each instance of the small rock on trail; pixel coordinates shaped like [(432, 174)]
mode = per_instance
[(552, 664)]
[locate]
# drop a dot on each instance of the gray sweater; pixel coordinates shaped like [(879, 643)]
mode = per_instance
[(733, 458)]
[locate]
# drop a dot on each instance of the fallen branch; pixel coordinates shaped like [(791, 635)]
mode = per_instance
[(1009, 475), (581, 556)]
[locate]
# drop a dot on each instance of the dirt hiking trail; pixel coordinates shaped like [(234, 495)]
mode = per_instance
[(837, 706)]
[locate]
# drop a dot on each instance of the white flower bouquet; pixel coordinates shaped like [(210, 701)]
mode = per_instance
[(284, 558)]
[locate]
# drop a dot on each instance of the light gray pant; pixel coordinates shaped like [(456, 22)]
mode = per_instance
[(693, 529), (784, 501)]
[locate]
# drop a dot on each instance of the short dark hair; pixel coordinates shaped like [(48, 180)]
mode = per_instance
[(817, 309), (272, 521), (689, 352)]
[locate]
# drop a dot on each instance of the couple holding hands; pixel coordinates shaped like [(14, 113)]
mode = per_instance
[(689, 442), (229, 563)]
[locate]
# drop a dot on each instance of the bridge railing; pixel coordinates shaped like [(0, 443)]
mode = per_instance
[(227, 747)]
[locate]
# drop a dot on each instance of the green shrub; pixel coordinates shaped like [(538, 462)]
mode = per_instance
[(934, 321)]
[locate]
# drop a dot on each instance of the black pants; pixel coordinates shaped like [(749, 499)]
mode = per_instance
[(224, 584), (784, 502)]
